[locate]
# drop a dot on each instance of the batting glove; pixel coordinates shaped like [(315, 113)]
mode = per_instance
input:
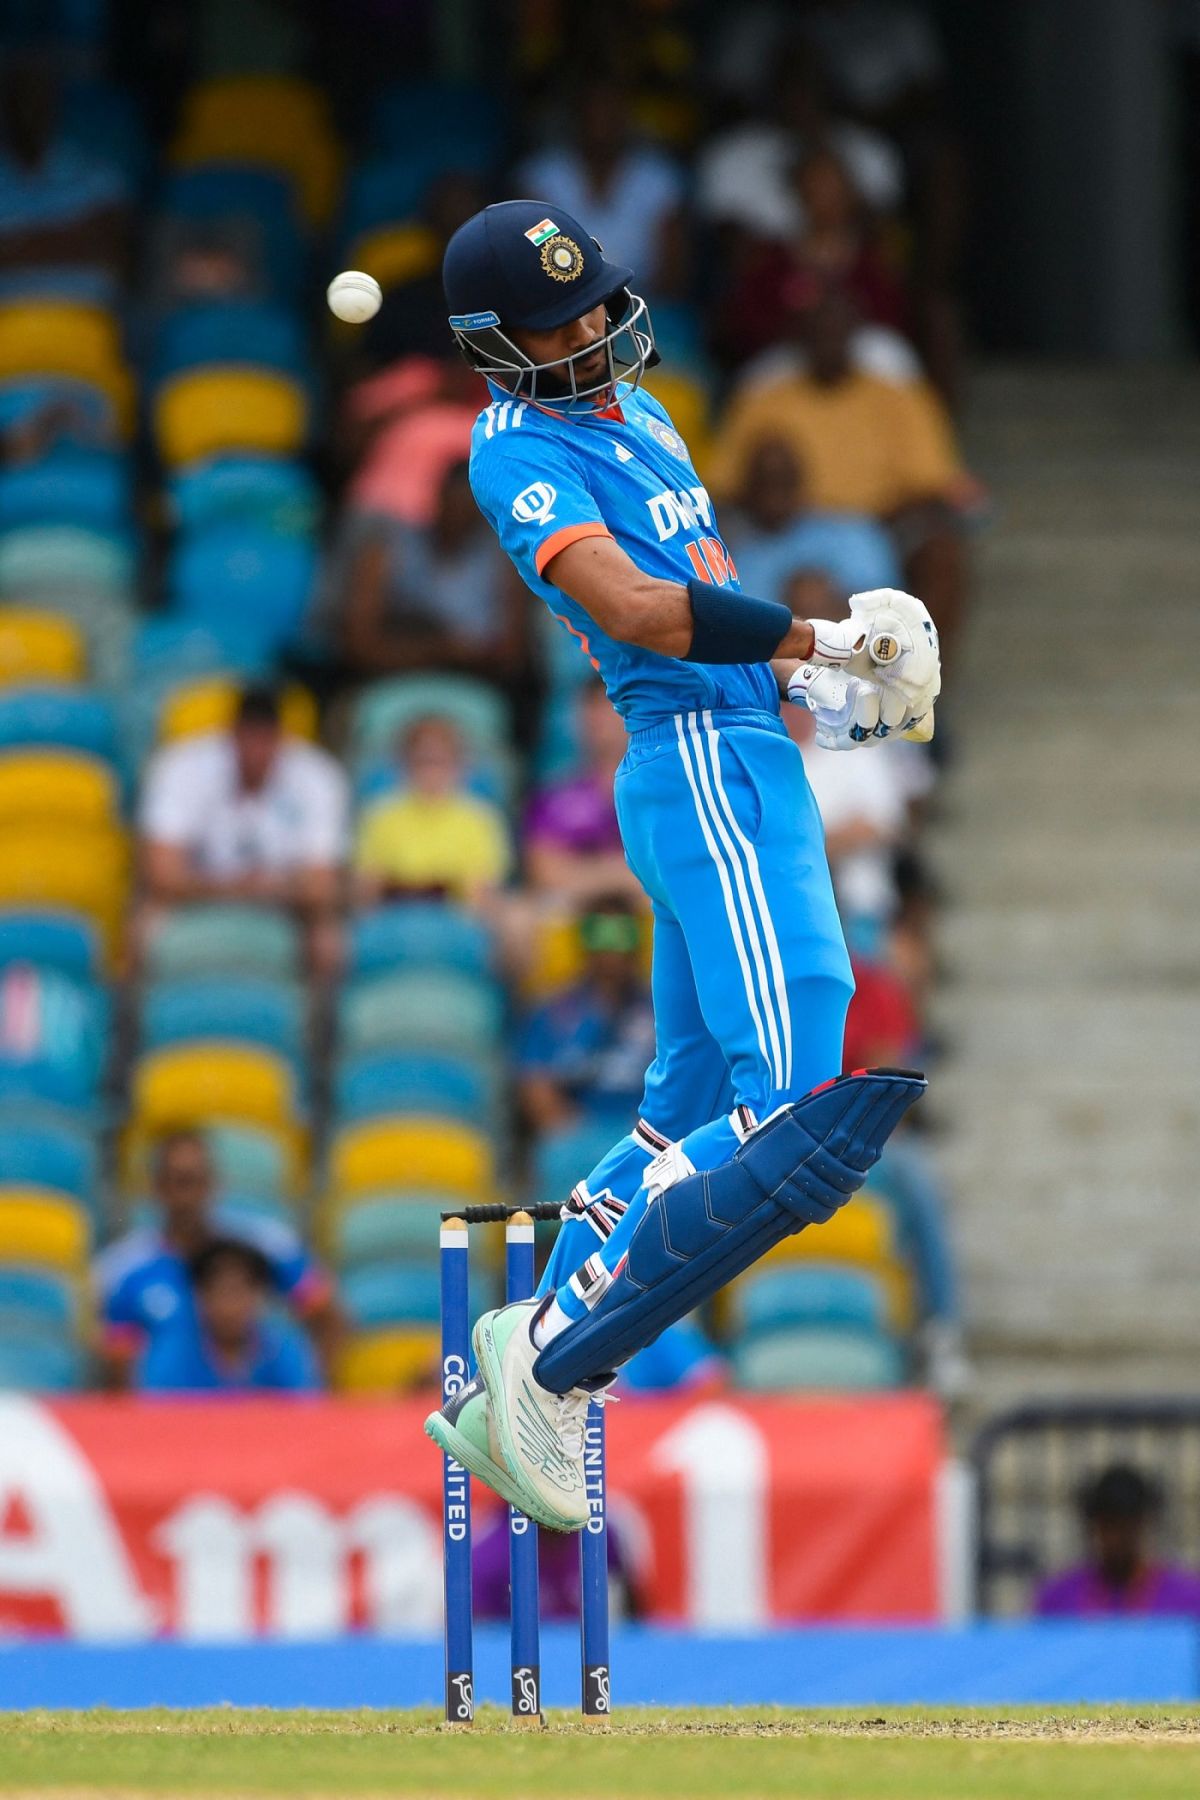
[(849, 711)]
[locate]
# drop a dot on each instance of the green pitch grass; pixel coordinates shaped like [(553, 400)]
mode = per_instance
[(1117, 1754)]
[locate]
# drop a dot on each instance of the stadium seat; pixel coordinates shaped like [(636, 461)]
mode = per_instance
[(688, 404), (388, 707), (819, 1294), (214, 411), (385, 1227), (249, 1009), (210, 704), (274, 121), (167, 651), (256, 1161), (54, 1035), (79, 791), (40, 563), (558, 957), (562, 1158), (237, 333), (429, 934), (43, 1228), (40, 648), (270, 491), (414, 1082), (396, 253), (253, 201), (189, 1084), (425, 1009), (224, 939), (106, 622), (434, 1154), (392, 1293), (68, 485), (58, 719), (35, 1300), (86, 872), (46, 1147), (862, 1237), (59, 337), (40, 1364), (263, 579), (776, 1362), (50, 940), (387, 1362)]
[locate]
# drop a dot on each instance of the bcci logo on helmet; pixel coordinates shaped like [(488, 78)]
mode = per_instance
[(562, 258), (534, 505)]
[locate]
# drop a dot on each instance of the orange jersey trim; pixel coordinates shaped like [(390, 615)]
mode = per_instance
[(570, 534)]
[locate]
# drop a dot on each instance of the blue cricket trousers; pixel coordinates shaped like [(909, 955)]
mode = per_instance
[(751, 980)]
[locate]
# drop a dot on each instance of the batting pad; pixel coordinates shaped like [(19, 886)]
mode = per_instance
[(795, 1170)]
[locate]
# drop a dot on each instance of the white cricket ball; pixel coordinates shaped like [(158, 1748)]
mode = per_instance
[(354, 296)]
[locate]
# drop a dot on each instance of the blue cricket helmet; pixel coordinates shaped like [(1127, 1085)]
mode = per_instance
[(527, 265)]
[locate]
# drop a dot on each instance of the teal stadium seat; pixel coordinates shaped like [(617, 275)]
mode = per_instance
[(816, 1357), (248, 1161), (810, 1294), (428, 934), (427, 1009), (564, 1157), (41, 1364), (457, 1087), (224, 939), (378, 1228), (392, 1293), (246, 1009)]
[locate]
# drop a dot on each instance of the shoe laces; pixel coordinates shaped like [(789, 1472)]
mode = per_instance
[(570, 1416)]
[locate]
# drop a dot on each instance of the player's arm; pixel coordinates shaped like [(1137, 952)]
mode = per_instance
[(690, 621)]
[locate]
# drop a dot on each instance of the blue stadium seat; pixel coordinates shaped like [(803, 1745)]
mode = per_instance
[(247, 1009), (38, 1364), (46, 1147), (166, 651), (819, 1357), (53, 1038), (257, 332), (91, 488), (272, 491), (430, 934), (50, 940), (64, 718), (451, 1086), (392, 1293), (37, 561), (259, 198), (805, 1294), (565, 1157), (35, 1300), (421, 1008), (239, 572), (379, 1228)]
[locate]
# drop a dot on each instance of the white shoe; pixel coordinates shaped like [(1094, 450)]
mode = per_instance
[(540, 1433)]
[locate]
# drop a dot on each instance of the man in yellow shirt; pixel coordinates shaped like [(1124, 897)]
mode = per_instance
[(434, 837), (881, 448)]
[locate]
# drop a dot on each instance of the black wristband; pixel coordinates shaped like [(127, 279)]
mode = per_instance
[(731, 627)]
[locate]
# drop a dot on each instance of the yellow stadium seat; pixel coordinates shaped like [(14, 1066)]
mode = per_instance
[(394, 254), (388, 1362), (66, 338), (85, 870), (39, 1225), (276, 121), (558, 957), (210, 705), (687, 402), (189, 1083), (435, 1154), (40, 648), (56, 784), (206, 411), (862, 1235)]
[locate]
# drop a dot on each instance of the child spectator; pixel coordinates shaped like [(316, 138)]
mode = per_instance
[(434, 838), (227, 1342), (251, 815), (142, 1281)]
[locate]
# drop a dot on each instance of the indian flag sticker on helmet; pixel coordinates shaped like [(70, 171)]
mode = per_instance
[(537, 234)]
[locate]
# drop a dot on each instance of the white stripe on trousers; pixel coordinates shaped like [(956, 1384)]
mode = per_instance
[(743, 925)]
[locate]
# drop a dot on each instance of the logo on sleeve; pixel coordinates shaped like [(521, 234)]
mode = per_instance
[(534, 505)]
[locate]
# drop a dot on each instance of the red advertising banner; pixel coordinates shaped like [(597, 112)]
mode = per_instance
[(307, 1518)]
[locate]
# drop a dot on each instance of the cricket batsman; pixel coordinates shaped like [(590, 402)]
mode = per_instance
[(746, 1133)]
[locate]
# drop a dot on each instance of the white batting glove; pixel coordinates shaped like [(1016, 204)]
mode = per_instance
[(846, 708), (900, 649)]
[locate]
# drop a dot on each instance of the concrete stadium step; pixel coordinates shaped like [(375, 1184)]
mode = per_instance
[(1070, 857)]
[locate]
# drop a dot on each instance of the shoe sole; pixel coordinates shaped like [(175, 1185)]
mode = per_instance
[(488, 1362), (452, 1443)]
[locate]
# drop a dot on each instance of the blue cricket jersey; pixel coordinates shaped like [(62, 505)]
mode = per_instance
[(544, 480)]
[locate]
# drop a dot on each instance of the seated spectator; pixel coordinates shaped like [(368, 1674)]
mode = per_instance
[(227, 1342), (63, 210), (866, 445), (433, 838), (250, 815), (440, 596), (142, 1282), (775, 537), (630, 194), (558, 1571), (584, 1053), (883, 1028), (572, 842), (1120, 1575), (401, 428)]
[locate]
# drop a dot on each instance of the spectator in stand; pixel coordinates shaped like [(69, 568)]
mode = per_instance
[(558, 1571), (1120, 1576), (583, 1054), (142, 1282), (249, 815), (400, 429), (433, 838), (681, 1359), (435, 597), (630, 194), (572, 842), (777, 538), (63, 209), (866, 445), (227, 1342), (883, 1030), (413, 320)]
